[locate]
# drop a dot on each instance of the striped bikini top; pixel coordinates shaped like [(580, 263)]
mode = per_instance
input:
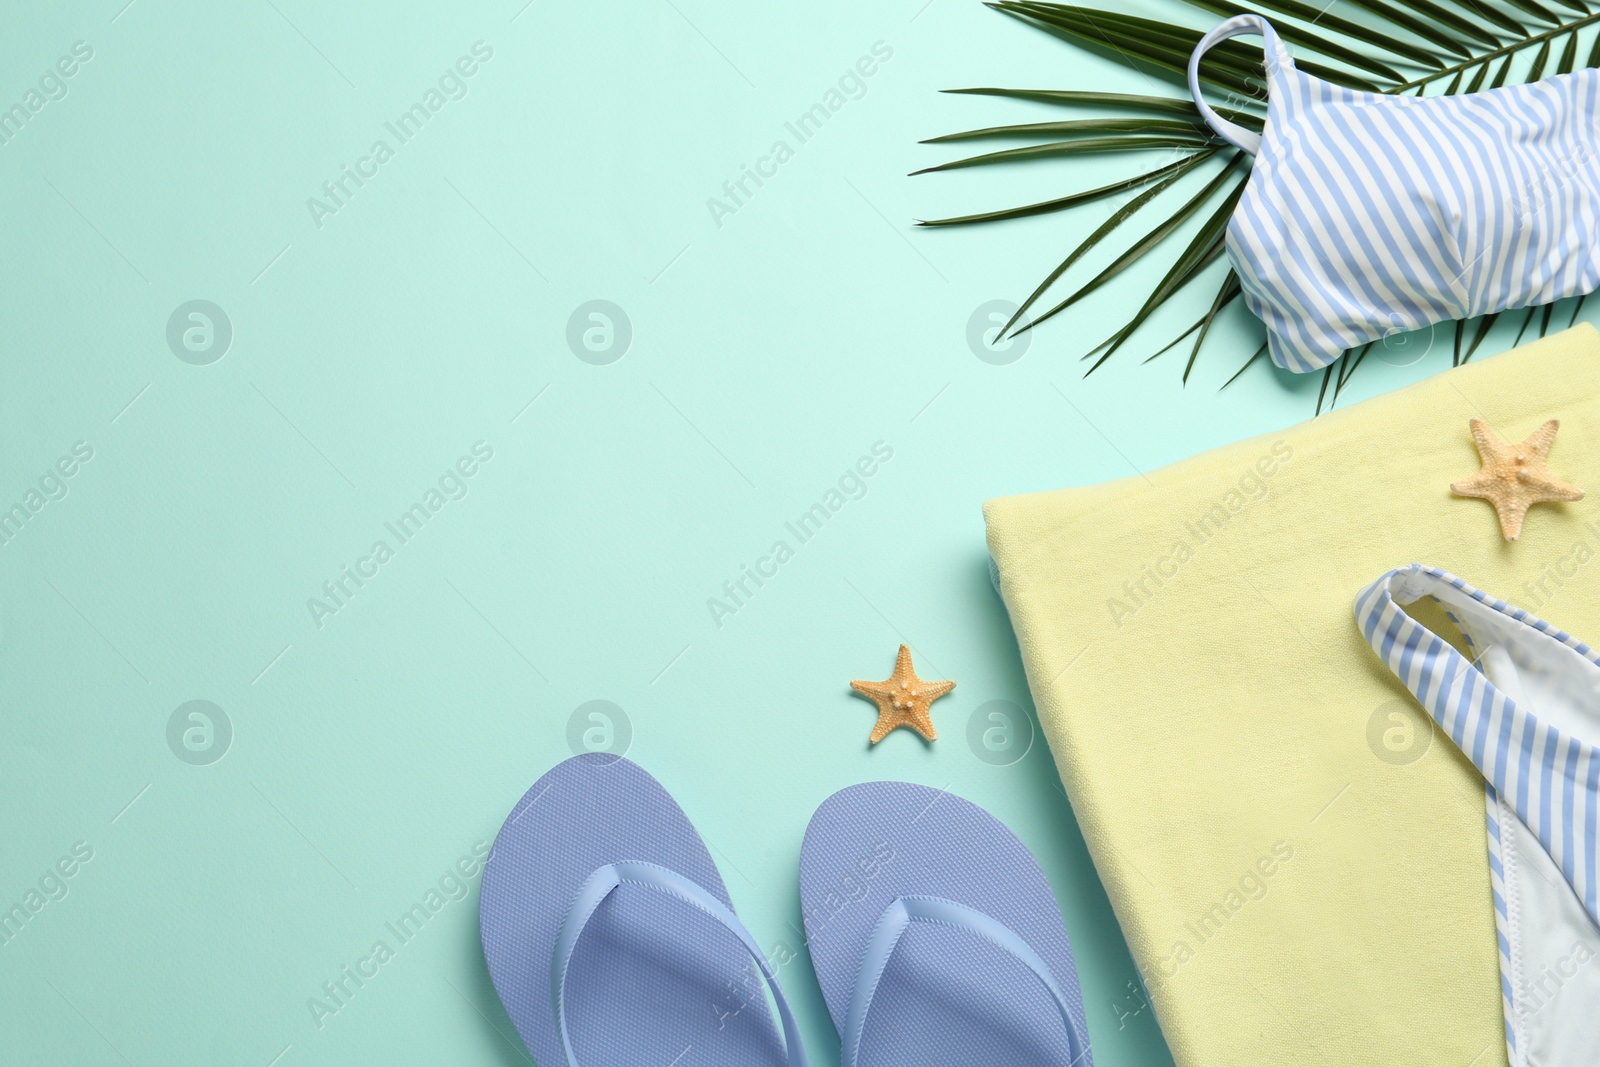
[(1368, 214)]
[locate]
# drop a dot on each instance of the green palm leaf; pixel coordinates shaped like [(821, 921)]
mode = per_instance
[(1202, 251), (1116, 101), (1412, 47), (1230, 289), (1132, 255), (1173, 127), (1086, 146), (1118, 217), (1071, 200), (1398, 48)]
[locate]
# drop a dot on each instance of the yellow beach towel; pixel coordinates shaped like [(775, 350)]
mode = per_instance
[(1298, 865)]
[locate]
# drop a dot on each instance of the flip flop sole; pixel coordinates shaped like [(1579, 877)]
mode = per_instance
[(945, 997), (651, 981)]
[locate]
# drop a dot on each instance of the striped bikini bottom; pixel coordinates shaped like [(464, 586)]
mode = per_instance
[(1521, 700)]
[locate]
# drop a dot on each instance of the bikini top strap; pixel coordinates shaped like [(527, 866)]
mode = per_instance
[(1277, 58)]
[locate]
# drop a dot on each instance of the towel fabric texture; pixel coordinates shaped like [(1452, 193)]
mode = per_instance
[(1298, 864)]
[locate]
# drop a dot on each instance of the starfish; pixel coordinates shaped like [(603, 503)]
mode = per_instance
[(903, 699), (1514, 477)]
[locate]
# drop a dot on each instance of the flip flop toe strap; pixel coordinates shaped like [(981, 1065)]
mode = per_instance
[(896, 919), (600, 885)]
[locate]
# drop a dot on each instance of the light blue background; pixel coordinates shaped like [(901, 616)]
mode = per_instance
[(429, 313)]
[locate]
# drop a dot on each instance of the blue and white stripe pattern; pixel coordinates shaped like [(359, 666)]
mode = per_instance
[(1368, 214), (1534, 771), (1502, 920), (1499, 887), (1550, 778)]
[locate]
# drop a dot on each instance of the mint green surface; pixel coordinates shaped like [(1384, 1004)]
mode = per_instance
[(373, 347)]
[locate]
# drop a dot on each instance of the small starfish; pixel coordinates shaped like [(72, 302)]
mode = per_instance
[(1514, 477), (903, 699)]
